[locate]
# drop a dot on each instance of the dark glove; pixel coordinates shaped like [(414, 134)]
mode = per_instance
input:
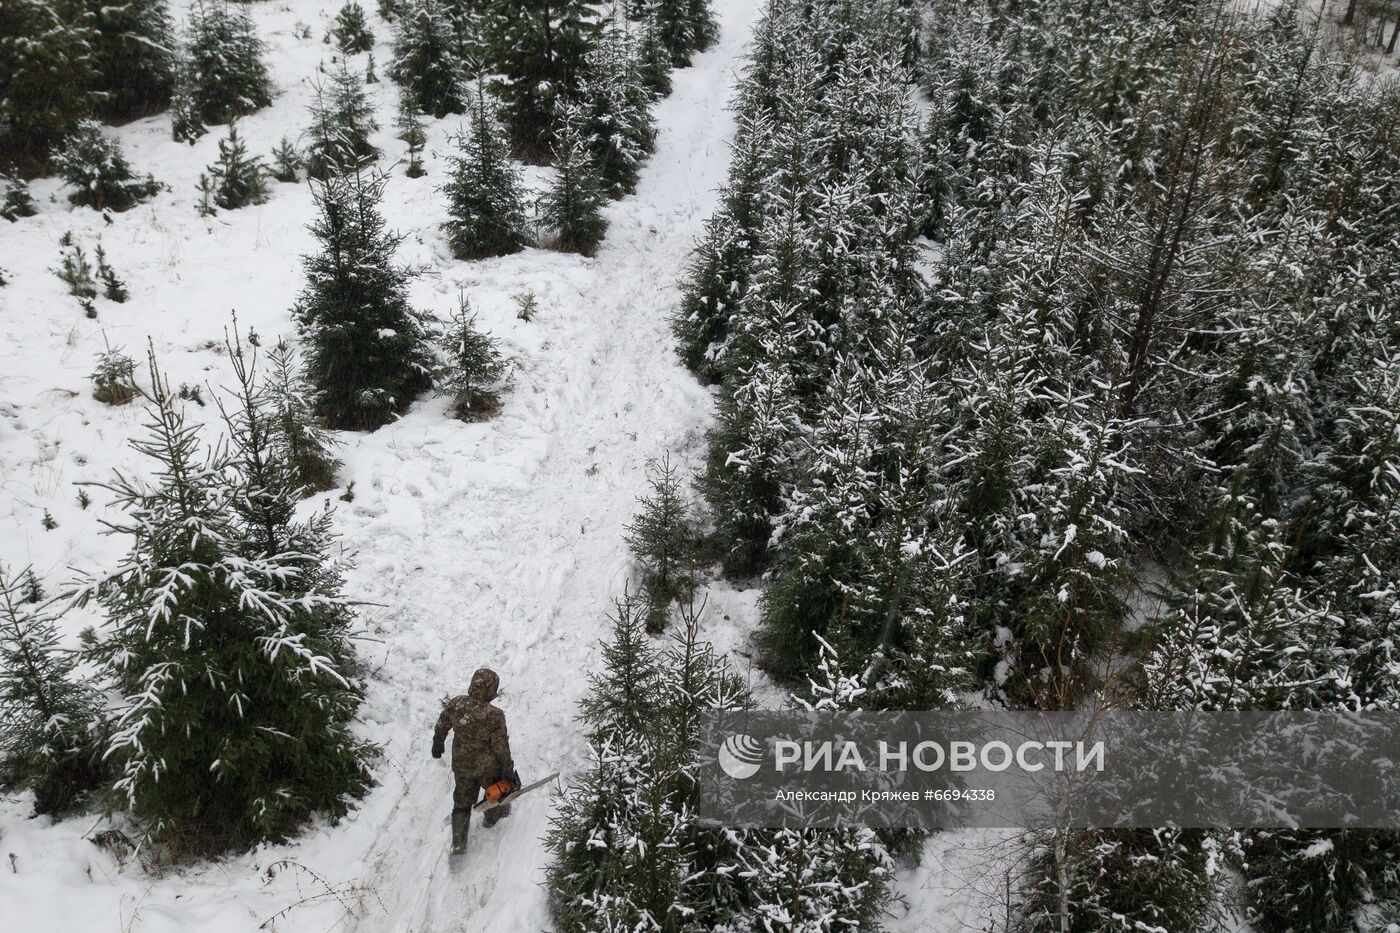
[(437, 748), (514, 777)]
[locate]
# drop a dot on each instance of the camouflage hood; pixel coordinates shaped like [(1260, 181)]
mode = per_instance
[(485, 683)]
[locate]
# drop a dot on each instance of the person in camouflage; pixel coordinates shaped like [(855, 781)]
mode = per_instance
[(480, 751)]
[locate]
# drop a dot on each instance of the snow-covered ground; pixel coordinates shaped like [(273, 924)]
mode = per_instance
[(485, 544)]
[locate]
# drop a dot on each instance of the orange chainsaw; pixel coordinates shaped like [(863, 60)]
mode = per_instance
[(502, 791)]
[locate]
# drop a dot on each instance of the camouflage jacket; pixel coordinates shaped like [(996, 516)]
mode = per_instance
[(480, 742)]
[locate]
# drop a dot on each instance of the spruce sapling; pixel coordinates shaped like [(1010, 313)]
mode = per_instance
[(367, 350), (236, 179), (76, 271), (15, 201), (203, 675), (286, 162), (426, 60), (486, 200), (472, 366), (297, 433), (114, 377), (223, 73), (93, 165), (573, 205), (342, 120), (134, 57), (47, 79), (410, 127), (113, 288), (351, 29), (662, 540), (526, 306), (49, 723)]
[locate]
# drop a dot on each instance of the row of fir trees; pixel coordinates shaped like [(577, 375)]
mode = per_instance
[(1113, 325), (369, 353)]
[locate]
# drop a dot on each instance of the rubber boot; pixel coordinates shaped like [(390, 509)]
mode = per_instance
[(496, 814), (461, 822)]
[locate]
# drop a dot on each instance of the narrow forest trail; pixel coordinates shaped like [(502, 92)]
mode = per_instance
[(501, 544)]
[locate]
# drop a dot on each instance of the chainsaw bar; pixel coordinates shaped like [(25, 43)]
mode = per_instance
[(488, 804)]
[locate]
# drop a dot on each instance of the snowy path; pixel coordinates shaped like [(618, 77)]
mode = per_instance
[(513, 550)]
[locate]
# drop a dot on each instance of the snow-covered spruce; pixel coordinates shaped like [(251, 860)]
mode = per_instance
[(472, 368), (51, 727), (221, 74), (426, 60), (572, 208), (342, 121), (367, 351), (485, 195), (93, 165), (236, 668)]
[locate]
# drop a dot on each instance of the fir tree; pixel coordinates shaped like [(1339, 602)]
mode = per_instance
[(47, 76), (684, 26), (222, 73), (236, 724), (286, 162), (76, 272), (15, 201), (662, 540), (114, 377), (297, 436), (351, 29), (472, 367), (133, 54), (572, 206), (236, 179), (113, 288), (653, 57), (342, 120), (628, 850), (426, 61), (486, 201), (367, 353), (92, 164), (615, 109), (50, 727), (1158, 879), (538, 48), (410, 127), (186, 120)]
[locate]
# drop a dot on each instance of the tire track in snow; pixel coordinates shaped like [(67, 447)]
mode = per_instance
[(493, 553)]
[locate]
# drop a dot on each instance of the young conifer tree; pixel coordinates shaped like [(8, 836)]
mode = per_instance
[(237, 179), (351, 29), (47, 76), (297, 434), (486, 200), (94, 166), (573, 204), (50, 726), (616, 108), (662, 540), (410, 126), (342, 120), (537, 47), (15, 200), (222, 74), (228, 636), (472, 367), (134, 55), (368, 353), (426, 60)]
